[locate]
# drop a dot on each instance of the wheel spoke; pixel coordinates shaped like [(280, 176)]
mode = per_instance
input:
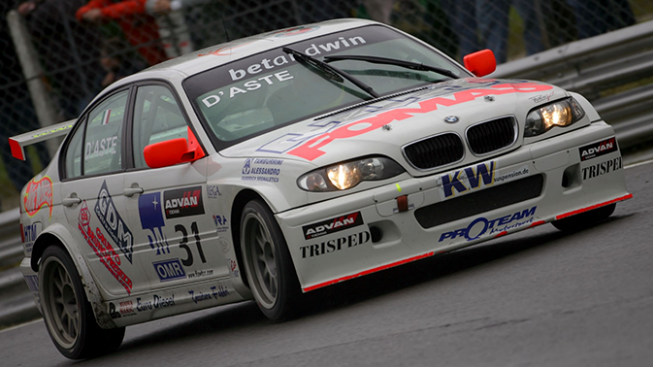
[(260, 241), (273, 285), (70, 326), (75, 329), (57, 282)]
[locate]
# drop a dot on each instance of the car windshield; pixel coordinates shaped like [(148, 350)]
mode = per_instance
[(263, 92)]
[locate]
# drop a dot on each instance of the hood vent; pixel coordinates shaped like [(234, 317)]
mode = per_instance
[(490, 136), (435, 151)]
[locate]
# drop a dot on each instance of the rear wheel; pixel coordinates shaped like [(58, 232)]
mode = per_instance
[(581, 221), (269, 268), (66, 311)]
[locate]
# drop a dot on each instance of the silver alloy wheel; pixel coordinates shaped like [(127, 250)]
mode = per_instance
[(60, 303), (260, 258)]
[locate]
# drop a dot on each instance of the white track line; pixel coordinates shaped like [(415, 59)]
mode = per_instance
[(20, 326)]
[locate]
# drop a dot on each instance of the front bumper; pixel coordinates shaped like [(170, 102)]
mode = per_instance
[(369, 231)]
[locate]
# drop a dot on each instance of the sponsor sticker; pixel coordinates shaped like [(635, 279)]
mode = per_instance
[(30, 233), (542, 97), (262, 169), (38, 194), (150, 212), (233, 266), (332, 225), (53, 131), (113, 223), (597, 149), (220, 223), (168, 270), (101, 147), (32, 283), (183, 202), (102, 248), (156, 303), (213, 191), (336, 244), (478, 176), (481, 226), (200, 273), (602, 168), (217, 292), (125, 309)]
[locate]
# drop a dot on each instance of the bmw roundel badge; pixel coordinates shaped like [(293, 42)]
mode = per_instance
[(451, 119)]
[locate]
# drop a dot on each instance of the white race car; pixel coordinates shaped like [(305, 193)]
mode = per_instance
[(289, 161)]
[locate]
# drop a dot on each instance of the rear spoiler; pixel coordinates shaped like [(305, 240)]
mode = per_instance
[(19, 142)]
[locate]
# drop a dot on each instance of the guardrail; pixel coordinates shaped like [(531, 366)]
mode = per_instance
[(614, 71), (11, 251)]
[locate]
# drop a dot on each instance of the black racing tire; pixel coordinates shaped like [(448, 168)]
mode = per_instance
[(268, 266), (584, 220), (66, 311)]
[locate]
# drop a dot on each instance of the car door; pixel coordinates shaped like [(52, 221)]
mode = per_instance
[(92, 194), (172, 228)]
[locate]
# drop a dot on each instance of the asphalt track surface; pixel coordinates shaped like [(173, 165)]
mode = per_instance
[(536, 298)]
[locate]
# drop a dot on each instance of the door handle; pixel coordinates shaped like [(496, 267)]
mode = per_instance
[(70, 201), (131, 191)]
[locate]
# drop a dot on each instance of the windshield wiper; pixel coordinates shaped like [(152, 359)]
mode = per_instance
[(388, 61), (329, 71)]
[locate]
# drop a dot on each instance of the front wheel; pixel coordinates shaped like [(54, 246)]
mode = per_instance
[(269, 268), (66, 311), (584, 220)]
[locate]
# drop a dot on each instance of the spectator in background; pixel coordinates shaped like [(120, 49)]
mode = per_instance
[(139, 27), (68, 51), (118, 62), (462, 17), (493, 23), (160, 7), (180, 30), (601, 16)]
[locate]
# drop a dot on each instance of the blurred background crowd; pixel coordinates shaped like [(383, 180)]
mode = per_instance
[(83, 46)]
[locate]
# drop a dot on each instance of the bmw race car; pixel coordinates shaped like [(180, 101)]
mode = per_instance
[(289, 161)]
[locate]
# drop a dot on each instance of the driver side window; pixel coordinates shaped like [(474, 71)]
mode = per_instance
[(157, 118)]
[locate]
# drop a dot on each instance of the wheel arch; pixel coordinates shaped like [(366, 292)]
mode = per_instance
[(241, 199), (58, 235)]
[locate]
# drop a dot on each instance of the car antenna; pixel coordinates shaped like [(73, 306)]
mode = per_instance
[(226, 34)]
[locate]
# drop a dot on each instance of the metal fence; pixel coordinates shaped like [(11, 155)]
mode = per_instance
[(82, 46)]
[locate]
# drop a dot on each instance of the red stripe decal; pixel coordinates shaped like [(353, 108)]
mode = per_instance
[(501, 234), (561, 216), (367, 272), (16, 150), (539, 223)]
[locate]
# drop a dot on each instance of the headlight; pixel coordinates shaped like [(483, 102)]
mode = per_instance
[(346, 175), (562, 113)]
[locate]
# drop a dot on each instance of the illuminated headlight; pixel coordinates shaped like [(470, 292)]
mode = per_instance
[(346, 175), (562, 113)]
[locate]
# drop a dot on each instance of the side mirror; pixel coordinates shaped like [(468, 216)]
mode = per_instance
[(170, 152), (481, 63)]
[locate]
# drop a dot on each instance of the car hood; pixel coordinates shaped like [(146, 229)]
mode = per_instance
[(387, 125)]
